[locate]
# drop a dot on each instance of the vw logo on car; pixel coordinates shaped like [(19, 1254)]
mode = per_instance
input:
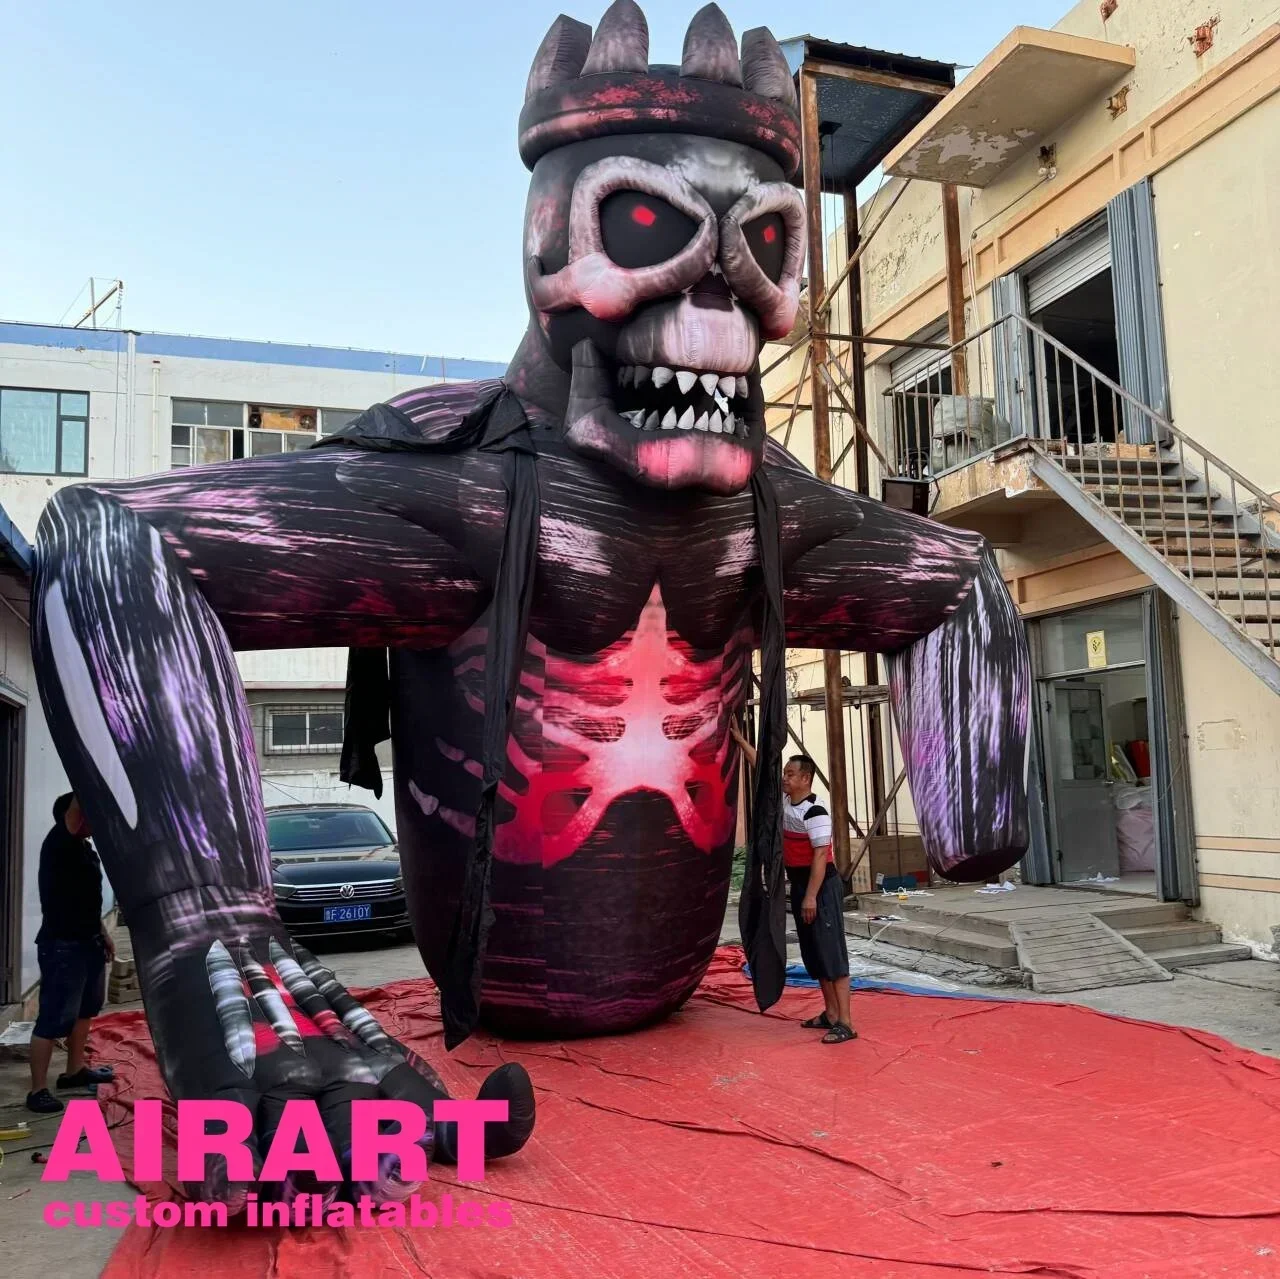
[(347, 890)]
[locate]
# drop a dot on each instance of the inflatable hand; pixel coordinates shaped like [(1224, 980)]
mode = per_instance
[(260, 1021)]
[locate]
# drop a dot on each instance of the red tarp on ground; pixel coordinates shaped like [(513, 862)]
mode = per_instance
[(955, 1137)]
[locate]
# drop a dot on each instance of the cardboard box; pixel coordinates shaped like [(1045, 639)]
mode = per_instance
[(895, 855)]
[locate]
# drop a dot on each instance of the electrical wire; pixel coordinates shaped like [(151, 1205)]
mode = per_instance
[(1017, 199)]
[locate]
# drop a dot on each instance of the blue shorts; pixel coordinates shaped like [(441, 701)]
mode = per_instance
[(73, 984)]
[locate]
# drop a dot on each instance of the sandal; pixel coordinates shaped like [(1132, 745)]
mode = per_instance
[(839, 1034), (820, 1022)]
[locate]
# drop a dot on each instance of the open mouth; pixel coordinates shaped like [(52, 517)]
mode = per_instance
[(668, 427), (663, 399)]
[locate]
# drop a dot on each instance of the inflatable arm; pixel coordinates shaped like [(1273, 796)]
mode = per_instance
[(931, 598)]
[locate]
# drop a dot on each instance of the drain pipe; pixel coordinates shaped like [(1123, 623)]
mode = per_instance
[(155, 416), (130, 375)]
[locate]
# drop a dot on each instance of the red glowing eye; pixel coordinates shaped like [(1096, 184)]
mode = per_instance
[(643, 215), (770, 234)]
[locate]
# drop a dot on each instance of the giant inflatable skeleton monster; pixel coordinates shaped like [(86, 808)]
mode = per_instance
[(551, 585)]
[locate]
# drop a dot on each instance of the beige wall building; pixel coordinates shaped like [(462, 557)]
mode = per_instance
[(1107, 417)]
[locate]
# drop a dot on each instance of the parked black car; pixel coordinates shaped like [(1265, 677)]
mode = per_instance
[(336, 870)]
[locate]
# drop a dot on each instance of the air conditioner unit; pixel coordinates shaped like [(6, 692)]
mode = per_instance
[(963, 426)]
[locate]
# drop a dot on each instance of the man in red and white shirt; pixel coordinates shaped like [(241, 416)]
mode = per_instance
[(817, 897)]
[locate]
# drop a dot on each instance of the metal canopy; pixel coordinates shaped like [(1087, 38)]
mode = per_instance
[(868, 101)]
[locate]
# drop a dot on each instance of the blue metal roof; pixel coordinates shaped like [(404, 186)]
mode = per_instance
[(285, 353), (13, 546)]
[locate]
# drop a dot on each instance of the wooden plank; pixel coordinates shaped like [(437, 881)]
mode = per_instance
[(1100, 964), (1065, 937), (1061, 955), (1071, 928), (820, 424), (1079, 952)]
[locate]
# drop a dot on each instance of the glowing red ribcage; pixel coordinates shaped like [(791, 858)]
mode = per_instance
[(644, 715)]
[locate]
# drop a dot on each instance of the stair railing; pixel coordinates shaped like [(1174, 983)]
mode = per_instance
[(1013, 381)]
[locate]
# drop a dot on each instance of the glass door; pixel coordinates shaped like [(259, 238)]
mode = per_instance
[(1082, 813)]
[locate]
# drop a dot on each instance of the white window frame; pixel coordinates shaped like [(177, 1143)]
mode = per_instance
[(324, 427), (61, 418), (248, 434)]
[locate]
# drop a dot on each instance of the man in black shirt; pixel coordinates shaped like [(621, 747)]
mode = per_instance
[(73, 949)]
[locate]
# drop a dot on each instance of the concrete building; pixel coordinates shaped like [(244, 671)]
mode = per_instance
[(110, 404), (1067, 313)]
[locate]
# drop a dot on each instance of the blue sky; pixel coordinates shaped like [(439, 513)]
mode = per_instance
[(321, 172)]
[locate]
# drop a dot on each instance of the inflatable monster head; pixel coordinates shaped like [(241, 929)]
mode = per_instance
[(664, 241)]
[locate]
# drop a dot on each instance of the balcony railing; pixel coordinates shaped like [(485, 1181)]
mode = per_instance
[(970, 398), (1200, 516)]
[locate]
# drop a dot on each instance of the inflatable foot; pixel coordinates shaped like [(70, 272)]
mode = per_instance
[(509, 1083)]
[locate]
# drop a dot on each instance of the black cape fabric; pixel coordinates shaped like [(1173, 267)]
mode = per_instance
[(498, 423), (762, 908)]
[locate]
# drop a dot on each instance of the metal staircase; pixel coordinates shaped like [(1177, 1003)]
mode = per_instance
[(1200, 530)]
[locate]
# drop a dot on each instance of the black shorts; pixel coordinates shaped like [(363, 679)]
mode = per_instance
[(73, 983), (822, 944)]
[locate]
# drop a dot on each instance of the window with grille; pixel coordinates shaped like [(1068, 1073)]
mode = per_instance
[(302, 730)]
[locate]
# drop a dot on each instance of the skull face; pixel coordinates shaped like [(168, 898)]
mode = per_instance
[(656, 265)]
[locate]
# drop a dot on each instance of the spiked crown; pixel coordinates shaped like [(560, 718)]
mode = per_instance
[(583, 87)]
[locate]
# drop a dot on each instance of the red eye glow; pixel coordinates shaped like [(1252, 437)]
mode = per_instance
[(642, 215), (770, 234)]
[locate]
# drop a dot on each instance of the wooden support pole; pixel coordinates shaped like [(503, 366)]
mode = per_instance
[(955, 287), (858, 362), (811, 143), (859, 425), (855, 255), (862, 473)]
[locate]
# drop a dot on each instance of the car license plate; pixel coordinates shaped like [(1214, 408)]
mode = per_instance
[(347, 914)]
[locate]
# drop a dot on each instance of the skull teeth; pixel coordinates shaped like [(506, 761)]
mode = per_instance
[(713, 423), (717, 419)]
